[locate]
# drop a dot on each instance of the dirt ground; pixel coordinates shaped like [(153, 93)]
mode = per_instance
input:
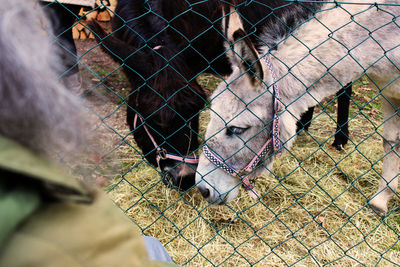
[(105, 90), (104, 83)]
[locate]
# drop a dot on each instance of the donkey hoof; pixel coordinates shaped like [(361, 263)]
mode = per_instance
[(338, 147), (338, 144)]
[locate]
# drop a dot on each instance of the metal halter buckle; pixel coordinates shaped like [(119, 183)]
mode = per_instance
[(243, 172), (162, 153)]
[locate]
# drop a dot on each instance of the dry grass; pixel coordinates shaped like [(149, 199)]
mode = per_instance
[(311, 213)]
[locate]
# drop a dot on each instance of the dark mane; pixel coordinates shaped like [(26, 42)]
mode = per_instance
[(272, 22), (147, 22), (145, 27)]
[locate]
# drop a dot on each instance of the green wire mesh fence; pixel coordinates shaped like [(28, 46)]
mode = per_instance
[(156, 68)]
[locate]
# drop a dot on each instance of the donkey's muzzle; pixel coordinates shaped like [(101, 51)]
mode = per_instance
[(205, 192), (181, 176)]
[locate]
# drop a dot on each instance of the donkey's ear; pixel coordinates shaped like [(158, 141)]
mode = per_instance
[(243, 53), (247, 56)]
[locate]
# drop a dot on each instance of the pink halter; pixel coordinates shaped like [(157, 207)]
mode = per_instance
[(162, 154), (272, 144)]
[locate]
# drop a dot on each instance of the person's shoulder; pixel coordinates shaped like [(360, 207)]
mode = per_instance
[(16, 159), (67, 233)]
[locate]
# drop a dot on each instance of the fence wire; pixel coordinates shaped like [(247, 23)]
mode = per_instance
[(312, 208)]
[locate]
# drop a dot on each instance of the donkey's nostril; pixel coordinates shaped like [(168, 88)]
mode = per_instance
[(205, 192)]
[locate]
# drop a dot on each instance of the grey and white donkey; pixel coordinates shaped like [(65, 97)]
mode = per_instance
[(341, 43)]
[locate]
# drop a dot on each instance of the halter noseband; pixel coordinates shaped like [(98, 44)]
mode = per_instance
[(274, 144), (162, 153)]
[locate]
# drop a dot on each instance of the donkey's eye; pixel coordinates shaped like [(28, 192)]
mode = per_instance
[(235, 130)]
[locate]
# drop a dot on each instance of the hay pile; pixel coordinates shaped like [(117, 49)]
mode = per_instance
[(311, 213)]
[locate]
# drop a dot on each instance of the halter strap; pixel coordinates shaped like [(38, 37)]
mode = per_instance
[(278, 107), (162, 153), (220, 163), (274, 144)]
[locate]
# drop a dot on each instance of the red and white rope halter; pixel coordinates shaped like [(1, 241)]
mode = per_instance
[(162, 153), (274, 144)]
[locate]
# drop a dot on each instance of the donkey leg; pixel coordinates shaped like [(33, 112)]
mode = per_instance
[(391, 162), (342, 130), (305, 120)]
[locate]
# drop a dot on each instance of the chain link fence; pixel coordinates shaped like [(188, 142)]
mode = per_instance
[(312, 208)]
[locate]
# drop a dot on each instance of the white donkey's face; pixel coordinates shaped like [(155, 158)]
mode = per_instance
[(239, 126), (241, 118)]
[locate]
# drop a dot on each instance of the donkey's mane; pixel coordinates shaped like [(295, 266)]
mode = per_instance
[(145, 28), (281, 19), (148, 29)]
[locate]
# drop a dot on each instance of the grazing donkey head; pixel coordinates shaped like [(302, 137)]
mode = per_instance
[(165, 126), (163, 117), (163, 107), (240, 129)]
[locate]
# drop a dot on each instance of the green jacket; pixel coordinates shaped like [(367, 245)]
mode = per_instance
[(50, 219)]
